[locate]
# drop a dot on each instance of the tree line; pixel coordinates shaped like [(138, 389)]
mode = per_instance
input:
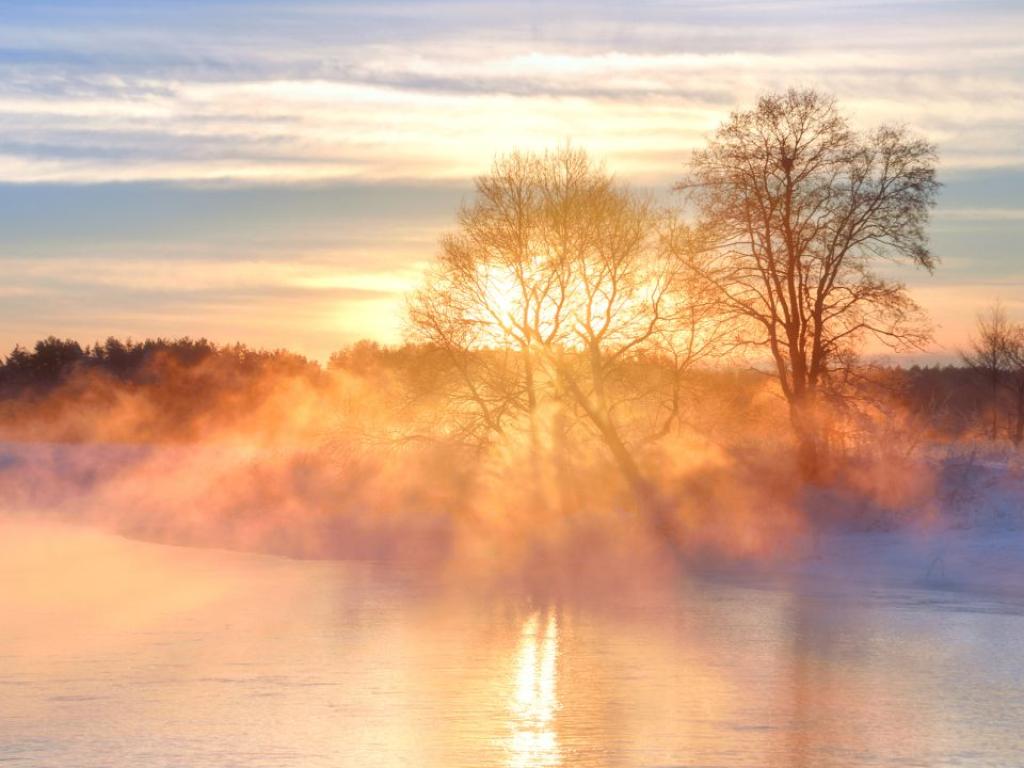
[(951, 401), (52, 361)]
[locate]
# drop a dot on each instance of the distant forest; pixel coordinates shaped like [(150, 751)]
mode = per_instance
[(186, 382), (53, 362)]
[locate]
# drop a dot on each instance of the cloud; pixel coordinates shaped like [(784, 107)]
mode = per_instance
[(309, 92), (981, 214)]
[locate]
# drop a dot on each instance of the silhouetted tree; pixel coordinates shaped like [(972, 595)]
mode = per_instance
[(795, 210), (996, 354), (53, 358), (557, 281)]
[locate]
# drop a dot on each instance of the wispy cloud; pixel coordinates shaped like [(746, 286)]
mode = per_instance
[(981, 214), (326, 91)]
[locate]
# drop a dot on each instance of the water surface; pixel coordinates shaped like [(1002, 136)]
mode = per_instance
[(118, 653)]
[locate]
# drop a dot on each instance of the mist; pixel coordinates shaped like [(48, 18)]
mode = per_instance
[(363, 459)]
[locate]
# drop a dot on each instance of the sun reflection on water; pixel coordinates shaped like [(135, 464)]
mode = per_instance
[(534, 702)]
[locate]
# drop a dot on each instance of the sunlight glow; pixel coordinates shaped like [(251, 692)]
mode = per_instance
[(534, 739), (503, 298)]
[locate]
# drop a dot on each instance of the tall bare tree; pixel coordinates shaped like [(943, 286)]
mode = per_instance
[(796, 210), (557, 281)]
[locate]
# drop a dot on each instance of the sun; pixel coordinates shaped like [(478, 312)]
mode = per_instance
[(504, 294)]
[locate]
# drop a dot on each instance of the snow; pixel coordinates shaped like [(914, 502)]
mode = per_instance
[(975, 561)]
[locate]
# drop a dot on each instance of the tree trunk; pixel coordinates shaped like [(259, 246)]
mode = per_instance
[(536, 479), (811, 454), (1018, 427), (657, 510), (995, 409)]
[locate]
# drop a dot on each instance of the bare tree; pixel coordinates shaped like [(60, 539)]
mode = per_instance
[(556, 284), (996, 353), (494, 294), (796, 209)]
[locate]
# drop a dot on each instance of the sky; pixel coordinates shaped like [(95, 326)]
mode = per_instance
[(279, 172)]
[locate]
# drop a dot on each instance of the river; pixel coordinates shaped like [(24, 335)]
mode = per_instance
[(120, 653)]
